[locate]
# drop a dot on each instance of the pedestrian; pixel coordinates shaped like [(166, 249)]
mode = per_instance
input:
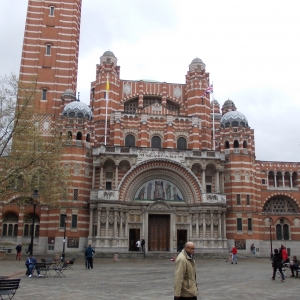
[(143, 245), (85, 260), (277, 264), (89, 255), (252, 248), (29, 249), (284, 254), (19, 250), (234, 253), (185, 285), (294, 266), (30, 265), (138, 244)]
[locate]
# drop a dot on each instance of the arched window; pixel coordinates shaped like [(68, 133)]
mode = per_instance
[(235, 124), (10, 225), (88, 138), (156, 142), (226, 145), (79, 136), (130, 140), (245, 144), (28, 225), (282, 230), (280, 205), (69, 135), (227, 124), (181, 143), (235, 144)]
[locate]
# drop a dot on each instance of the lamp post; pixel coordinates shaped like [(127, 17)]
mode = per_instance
[(62, 259), (270, 224), (35, 200)]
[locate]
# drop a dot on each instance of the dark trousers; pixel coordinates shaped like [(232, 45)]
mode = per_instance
[(187, 298), (90, 262), (280, 271), (292, 270)]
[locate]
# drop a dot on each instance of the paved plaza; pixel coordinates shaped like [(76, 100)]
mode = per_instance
[(152, 279)]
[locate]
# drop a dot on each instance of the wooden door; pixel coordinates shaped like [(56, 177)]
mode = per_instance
[(159, 233)]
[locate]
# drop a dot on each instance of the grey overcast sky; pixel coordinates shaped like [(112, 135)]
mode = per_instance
[(251, 50)]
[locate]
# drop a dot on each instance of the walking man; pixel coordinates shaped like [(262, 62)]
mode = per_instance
[(19, 250), (185, 285)]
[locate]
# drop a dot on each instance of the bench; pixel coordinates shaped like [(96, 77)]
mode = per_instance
[(70, 263), (8, 288)]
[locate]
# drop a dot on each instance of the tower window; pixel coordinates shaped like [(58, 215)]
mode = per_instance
[(248, 199), (44, 94), (249, 224), (74, 221), (130, 140), (156, 142), (75, 195), (238, 199), (239, 225), (48, 49), (235, 144), (181, 143), (51, 10)]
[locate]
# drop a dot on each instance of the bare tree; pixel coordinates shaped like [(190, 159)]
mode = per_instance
[(29, 158)]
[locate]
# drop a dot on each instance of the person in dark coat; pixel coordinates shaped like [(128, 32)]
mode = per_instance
[(30, 265), (19, 250), (277, 264), (89, 251)]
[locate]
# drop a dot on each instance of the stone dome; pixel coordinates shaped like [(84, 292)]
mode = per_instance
[(77, 109), (233, 119), (68, 94), (196, 65), (214, 102), (228, 106), (108, 57)]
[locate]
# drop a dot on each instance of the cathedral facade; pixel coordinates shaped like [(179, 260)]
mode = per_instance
[(148, 160)]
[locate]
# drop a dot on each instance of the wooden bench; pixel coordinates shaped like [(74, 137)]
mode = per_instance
[(8, 288)]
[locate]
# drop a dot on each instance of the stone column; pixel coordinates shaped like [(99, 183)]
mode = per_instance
[(116, 178), (126, 224), (204, 225), (116, 223), (107, 222), (217, 182), (211, 225), (275, 180), (91, 222), (197, 225), (267, 179), (101, 177), (283, 184), (121, 223), (291, 181), (93, 180), (219, 225), (224, 225), (203, 181), (99, 223), (191, 225)]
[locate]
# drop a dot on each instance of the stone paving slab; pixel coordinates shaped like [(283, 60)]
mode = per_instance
[(153, 279)]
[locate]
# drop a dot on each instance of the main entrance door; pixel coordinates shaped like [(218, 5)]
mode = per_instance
[(159, 233)]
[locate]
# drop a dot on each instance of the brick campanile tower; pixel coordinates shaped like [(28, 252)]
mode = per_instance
[(50, 50)]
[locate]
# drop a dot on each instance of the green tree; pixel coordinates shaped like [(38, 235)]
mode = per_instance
[(29, 159)]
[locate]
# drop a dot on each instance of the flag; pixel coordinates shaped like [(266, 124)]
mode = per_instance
[(209, 90), (107, 85)]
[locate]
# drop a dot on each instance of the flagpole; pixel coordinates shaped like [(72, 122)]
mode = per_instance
[(106, 98)]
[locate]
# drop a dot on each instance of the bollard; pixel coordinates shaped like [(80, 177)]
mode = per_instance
[(115, 257)]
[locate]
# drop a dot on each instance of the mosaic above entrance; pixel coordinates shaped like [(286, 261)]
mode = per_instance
[(158, 190)]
